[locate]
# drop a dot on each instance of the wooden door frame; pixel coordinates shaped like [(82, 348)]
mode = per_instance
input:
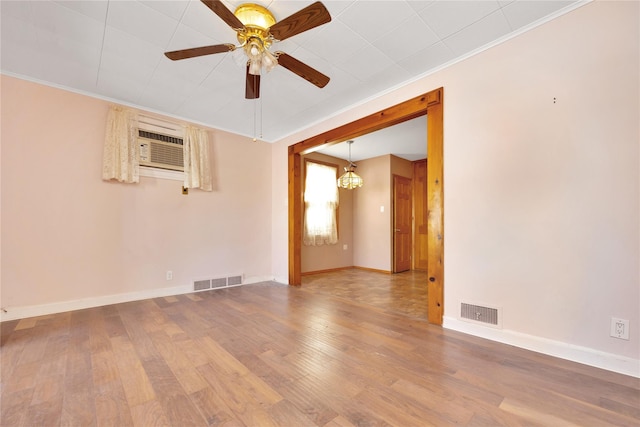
[(431, 104)]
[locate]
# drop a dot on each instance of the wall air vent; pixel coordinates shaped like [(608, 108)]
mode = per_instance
[(489, 316), (220, 282), (217, 282), (201, 285), (234, 280)]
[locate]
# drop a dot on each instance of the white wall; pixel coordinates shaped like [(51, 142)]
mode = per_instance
[(70, 239), (541, 198), (280, 213)]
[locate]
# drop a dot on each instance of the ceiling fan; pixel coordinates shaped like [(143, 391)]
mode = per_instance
[(257, 31)]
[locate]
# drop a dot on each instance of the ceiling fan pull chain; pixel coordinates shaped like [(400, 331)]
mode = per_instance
[(254, 121)]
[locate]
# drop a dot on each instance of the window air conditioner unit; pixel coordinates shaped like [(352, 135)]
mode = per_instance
[(160, 151)]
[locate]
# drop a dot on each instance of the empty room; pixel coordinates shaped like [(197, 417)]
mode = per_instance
[(336, 213)]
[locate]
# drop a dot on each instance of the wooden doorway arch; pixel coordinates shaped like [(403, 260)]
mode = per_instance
[(430, 104)]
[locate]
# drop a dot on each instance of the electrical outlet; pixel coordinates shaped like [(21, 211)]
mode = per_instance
[(619, 328), (169, 275)]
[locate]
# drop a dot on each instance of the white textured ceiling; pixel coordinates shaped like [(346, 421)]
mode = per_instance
[(114, 50), (407, 140)]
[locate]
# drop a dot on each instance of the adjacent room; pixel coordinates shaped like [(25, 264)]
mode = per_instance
[(380, 229), (158, 264)]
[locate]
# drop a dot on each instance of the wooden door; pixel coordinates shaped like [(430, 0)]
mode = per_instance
[(401, 224)]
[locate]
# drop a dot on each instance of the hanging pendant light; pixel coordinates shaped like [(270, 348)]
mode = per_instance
[(350, 179)]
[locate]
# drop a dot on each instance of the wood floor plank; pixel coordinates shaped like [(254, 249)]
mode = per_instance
[(149, 413), (339, 421), (46, 413), (533, 416), (346, 349), (176, 405), (48, 389), (104, 367), (78, 405), (233, 396), (7, 329), (213, 409), (14, 407), (23, 377), (542, 398), (285, 413), (447, 409), (26, 323), (112, 407), (181, 366), (223, 360), (261, 418), (400, 412), (135, 381)]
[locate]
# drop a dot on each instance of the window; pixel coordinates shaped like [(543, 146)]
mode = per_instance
[(163, 149), (320, 204)]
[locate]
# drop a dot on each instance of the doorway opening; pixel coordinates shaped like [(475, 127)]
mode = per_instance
[(429, 104)]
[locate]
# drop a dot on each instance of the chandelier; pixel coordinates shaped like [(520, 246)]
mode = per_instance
[(350, 179)]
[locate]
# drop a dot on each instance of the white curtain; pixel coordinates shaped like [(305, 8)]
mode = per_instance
[(197, 167), (120, 159), (321, 203)]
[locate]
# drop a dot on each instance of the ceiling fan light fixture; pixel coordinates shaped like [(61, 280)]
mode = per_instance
[(269, 60), (254, 15), (253, 48), (255, 67)]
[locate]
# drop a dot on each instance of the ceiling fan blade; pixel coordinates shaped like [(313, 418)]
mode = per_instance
[(252, 90), (225, 14), (310, 17), (199, 51), (303, 70)]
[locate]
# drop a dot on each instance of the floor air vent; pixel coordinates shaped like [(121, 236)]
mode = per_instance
[(216, 283), (490, 316)]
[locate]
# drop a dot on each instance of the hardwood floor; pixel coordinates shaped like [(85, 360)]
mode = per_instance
[(402, 293), (267, 354)]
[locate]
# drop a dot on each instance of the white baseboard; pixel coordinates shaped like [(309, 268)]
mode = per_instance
[(283, 280), (257, 279), (587, 356), (14, 313)]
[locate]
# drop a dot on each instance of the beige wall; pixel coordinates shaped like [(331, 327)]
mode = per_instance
[(68, 236), (401, 167), (541, 198), (373, 211), (371, 227)]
